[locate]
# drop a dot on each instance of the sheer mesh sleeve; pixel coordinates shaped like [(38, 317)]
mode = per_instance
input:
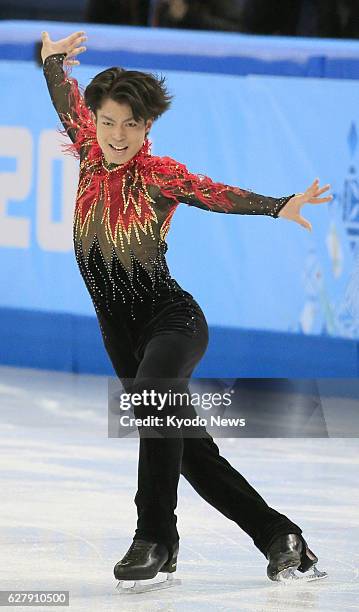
[(68, 101), (200, 191)]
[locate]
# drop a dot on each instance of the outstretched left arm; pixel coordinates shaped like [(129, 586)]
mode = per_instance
[(178, 184)]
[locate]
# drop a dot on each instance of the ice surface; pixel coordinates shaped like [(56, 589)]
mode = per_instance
[(67, 512)]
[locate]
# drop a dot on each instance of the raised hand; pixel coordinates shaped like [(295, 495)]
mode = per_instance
[(70, 45), (311, 196)]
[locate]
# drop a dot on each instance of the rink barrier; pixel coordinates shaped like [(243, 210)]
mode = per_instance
[(209, 52), (73, 343)]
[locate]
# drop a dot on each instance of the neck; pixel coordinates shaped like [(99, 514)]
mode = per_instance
[(110, 165)]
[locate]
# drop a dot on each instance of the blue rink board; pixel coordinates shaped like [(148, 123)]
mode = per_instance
[(64, 342), (169, 49)]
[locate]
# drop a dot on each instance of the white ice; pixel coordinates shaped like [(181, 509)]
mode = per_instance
[(67, 511)]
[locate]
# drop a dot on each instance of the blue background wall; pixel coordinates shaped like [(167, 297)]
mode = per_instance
[(262, 113)]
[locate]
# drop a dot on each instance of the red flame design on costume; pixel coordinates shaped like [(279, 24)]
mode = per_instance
[(127, 203)]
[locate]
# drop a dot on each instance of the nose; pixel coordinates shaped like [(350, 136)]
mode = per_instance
[(118, 134)]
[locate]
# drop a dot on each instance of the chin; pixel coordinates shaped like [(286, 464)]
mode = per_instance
[(118, 159)]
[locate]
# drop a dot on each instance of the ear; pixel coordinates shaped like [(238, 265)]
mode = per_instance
[(148, 126), (93, 116)]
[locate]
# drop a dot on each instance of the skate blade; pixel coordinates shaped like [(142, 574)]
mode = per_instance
[(126, 587), (290, 576)]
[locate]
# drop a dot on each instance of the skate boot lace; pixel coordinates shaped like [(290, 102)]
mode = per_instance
[(135, 550)]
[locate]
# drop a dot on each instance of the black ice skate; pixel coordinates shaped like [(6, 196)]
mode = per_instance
[(289, 553), (142, 562)]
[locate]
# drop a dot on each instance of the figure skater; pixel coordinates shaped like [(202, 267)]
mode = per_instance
[(152, 329)]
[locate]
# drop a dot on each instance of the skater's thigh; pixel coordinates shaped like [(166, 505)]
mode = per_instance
[(119, 347), (172, 355)]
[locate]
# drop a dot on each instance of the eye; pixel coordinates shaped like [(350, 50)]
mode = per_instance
[(106, 123), (132, 124)]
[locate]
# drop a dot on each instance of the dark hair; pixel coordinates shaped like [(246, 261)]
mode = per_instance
[(145, 93)]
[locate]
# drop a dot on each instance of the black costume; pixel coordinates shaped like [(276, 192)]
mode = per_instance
[(152, 328)]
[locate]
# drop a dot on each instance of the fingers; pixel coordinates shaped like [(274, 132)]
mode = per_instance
[(320, 200), (76, 37), (304, 223), (76, 51), (313, 192), (73, 37), (317, 192), (312, 189), (314, 186), (70, 62), (323, 189), (75, 41)]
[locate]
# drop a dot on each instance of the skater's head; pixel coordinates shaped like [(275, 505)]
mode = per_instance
[(125, 103)]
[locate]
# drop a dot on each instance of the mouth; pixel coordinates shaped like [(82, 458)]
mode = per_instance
[(118, 149)]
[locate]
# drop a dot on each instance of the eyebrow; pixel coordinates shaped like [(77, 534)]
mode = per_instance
[(110, 118)]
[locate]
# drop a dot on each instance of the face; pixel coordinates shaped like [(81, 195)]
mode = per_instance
[(118, 134)]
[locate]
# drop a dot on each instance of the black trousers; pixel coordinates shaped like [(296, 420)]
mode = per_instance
[(173, 354)]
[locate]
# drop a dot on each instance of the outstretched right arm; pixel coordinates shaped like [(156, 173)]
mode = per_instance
[(64, 91)]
